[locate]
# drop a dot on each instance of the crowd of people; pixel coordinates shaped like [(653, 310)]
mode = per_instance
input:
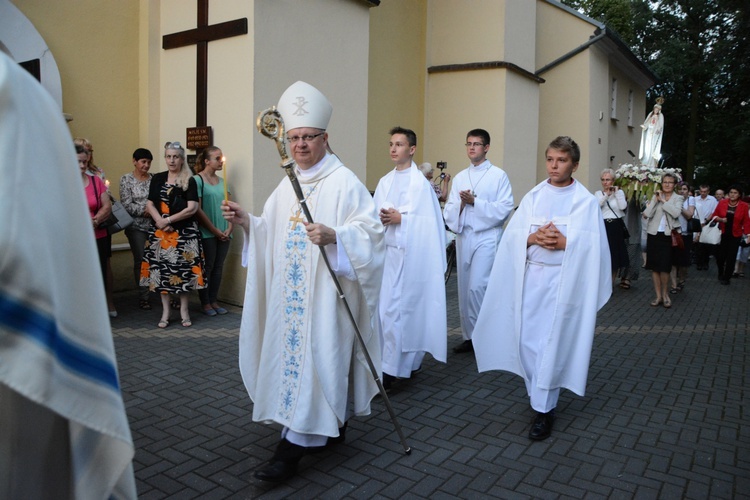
[(528, 293)]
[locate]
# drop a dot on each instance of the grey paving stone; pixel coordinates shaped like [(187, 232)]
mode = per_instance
[(664, 415)]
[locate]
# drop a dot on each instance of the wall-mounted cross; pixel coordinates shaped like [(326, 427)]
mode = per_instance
[(200, 36)]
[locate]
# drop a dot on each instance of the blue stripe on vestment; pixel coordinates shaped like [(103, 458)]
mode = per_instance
[(43, 330)]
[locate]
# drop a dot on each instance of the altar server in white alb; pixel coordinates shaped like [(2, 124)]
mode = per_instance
[(299, 358), (550, 277), (412, 297), (63, 429), (478, 205)]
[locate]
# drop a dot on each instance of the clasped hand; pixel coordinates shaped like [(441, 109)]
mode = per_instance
[(390, 216), (466, 197), (549, 237)]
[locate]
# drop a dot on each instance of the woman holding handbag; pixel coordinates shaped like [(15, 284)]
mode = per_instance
[(100, 208), (173, 259), (612, 203), (732, 215), (216, 232), (662, 213), (682, 258)]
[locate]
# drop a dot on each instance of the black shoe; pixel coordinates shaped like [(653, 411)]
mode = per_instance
[(388, 381), (283, 464), (277, 471), (341, 437), (465, 346), (542, 427)]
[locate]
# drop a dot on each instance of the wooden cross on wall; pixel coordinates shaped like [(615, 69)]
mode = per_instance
[(200, 36)]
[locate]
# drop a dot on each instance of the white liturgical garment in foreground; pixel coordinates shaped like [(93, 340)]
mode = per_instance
[(63, 428)]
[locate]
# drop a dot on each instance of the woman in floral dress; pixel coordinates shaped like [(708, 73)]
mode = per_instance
[(173, 259)]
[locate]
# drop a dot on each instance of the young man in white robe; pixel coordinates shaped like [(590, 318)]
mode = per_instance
[(412, 296), (479, 203), (299, 358), (551, 276), (63, 429)]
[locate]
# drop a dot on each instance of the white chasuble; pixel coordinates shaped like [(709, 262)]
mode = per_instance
[(299, 358), (478, 229), (412, 299), (582, 286)]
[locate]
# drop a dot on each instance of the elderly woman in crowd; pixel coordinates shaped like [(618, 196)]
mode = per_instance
[(216, 232), (134, 188), (662, 213), (92, 169), (100, 207), (732, 215), (173, 258), (612, 203)]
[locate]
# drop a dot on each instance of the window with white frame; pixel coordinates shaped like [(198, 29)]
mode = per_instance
[(630, 108), (613, 100)]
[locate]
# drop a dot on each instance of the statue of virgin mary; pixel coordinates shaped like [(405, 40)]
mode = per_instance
[(653, 129)]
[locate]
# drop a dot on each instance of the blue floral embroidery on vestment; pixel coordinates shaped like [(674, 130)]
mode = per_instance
[(295, 291)]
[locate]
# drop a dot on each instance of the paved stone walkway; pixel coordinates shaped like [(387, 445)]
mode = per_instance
[(662, 418)]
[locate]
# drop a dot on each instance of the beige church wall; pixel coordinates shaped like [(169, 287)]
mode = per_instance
[(521, 139), (448, 119), (564, 109), (324, 43), (622, 135), (558, 32), (465, 31), (396, 81), (599, 117)]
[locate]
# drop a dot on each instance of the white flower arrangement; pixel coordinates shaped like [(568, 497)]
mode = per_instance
[(640, 180)]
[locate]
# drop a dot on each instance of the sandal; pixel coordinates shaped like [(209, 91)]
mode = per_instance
[(674, 290), (186, 322), (145, 305), (680, 285), (625, 284), (163, 323), (667, 303), (656, 302)]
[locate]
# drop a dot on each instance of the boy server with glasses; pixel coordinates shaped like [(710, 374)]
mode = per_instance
[(479, 203), (299, 358)]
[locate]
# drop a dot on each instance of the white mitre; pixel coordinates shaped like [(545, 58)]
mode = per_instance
[(302, 105)]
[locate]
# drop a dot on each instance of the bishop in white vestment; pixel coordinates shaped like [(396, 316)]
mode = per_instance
[(550, 277), (299, 358), (412, 297)]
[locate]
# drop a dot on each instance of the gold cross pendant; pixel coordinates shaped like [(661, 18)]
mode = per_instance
[(296, 218)]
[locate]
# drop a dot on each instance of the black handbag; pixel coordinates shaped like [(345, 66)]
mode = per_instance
[(625, 232), (109, 221), (694, 225)]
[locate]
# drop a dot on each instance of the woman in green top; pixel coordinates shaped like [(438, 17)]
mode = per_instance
[(215, 230)]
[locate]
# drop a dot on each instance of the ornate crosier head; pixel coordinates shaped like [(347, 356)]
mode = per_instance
[(271, 124)]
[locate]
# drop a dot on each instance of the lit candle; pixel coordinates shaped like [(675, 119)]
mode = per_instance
[(226, 189)]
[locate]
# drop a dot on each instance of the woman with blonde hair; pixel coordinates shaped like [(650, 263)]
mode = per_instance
[(662, 213), (93, 170), (173, 259), (215, 230)]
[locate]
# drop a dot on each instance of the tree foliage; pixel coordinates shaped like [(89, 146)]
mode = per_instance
[(698, 48)]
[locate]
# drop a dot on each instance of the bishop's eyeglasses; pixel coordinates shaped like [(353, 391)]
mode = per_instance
[(305, 138)]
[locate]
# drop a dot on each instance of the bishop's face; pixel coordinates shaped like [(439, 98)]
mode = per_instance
[(308, 145)]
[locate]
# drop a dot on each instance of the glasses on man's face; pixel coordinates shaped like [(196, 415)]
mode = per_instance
[(304, 138), (474, 144)]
